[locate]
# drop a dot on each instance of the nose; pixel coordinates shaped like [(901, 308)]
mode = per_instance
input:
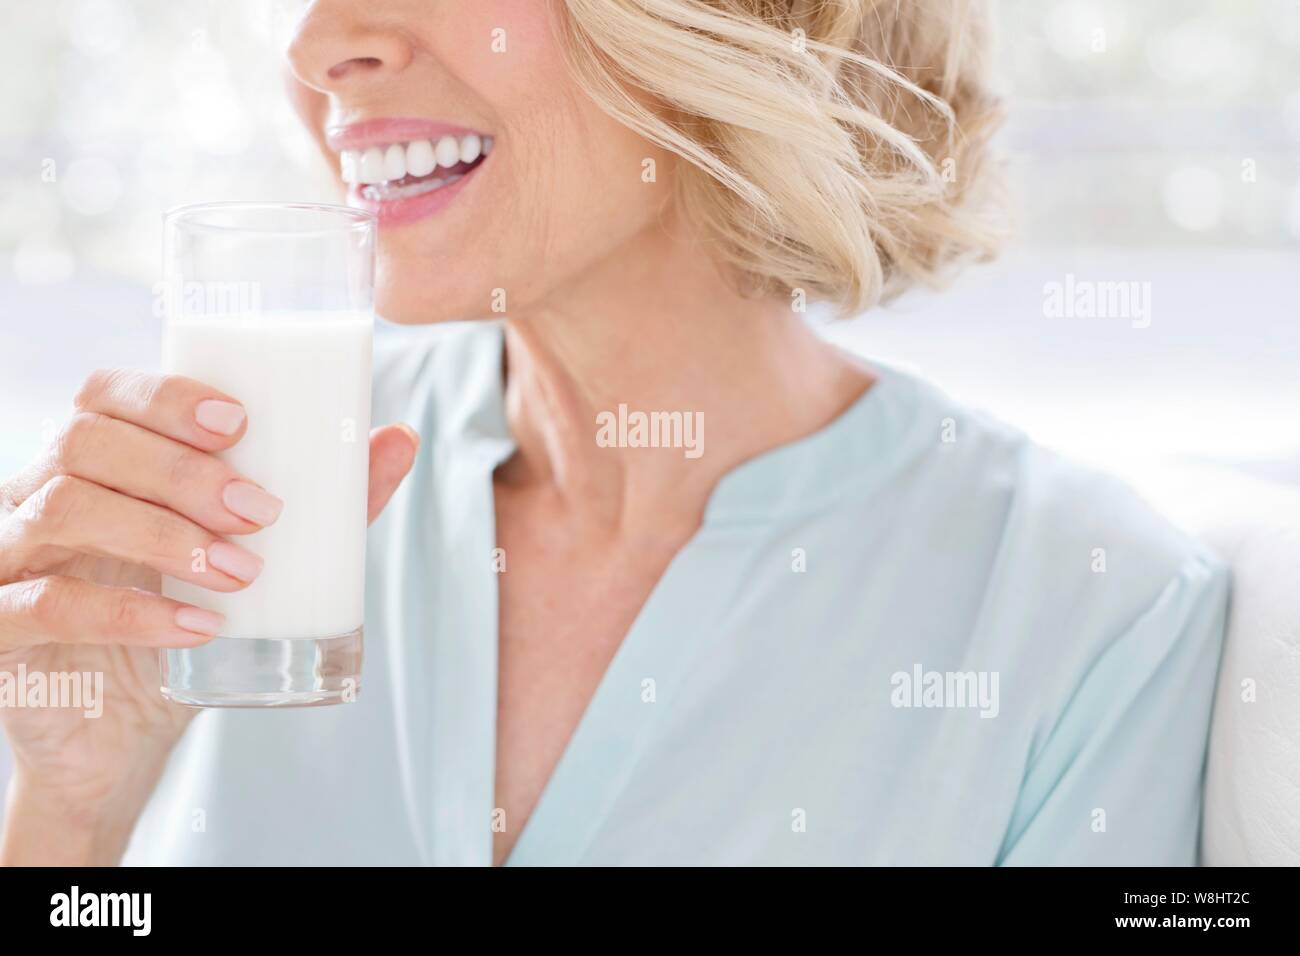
[(338, 45)]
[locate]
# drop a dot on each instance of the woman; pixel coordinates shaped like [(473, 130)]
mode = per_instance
[(841, 620)]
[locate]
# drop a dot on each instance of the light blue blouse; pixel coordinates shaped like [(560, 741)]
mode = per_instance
[(910, 638)]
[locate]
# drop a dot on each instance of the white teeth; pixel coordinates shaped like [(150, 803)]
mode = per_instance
[(372, 166), (470, 147), (394, 162), (447, 151), (348, 165), (419, 158), (386, 192), (379, 165)]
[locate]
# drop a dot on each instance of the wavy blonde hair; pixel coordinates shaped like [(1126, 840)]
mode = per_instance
[(833, 146)]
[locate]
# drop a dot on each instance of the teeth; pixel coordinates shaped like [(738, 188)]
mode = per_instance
[(378, 165), (394, 162), (470, 147), (447, 151), (419, 158), (372, 166), (387, 191)]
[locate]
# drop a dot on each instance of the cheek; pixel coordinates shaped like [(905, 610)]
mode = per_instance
[(570, 194), (600, 183), (569, 171), (568, 187), (312, 109)]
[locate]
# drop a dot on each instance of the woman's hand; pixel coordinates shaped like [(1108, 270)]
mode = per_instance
[(125, 493)]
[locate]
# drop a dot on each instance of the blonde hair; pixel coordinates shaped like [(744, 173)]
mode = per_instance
[(833, 146)]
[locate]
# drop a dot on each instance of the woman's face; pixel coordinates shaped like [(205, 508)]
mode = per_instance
[(390, 89)]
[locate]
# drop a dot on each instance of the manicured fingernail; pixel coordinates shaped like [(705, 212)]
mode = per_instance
[(411, 432), (200, 621), (224, 418), (234, 560), (251, 502)]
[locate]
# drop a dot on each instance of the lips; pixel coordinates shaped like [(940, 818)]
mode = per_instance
[(404, 170)]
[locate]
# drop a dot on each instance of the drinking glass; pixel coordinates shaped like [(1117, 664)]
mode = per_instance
[(273, 304)]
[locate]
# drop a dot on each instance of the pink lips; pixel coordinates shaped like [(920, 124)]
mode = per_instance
[(399, 212), (382, 132)]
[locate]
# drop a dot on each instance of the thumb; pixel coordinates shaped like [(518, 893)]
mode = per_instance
[(392, 453)]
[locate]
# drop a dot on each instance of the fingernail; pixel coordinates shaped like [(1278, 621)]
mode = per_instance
[(234, 560), (414, 435), (200, 621), (224, 418), (251, 502)]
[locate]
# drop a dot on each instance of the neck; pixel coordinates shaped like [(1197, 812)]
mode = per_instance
[(659, 330)]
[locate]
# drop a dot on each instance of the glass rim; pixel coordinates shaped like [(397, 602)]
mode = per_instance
[(349, 218)]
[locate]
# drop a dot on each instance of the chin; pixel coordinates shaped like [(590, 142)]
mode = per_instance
[(419, 300)]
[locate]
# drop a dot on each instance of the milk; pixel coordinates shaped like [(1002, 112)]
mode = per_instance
[(304, 380)]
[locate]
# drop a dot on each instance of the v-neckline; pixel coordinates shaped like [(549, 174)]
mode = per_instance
[(602, 751), (603, 747)]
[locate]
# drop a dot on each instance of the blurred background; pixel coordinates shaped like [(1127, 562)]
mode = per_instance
[(1153, 147)]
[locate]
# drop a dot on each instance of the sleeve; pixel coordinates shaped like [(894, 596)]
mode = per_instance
[(1118, 780)]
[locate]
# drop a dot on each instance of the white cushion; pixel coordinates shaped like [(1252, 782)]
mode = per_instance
[(1252, 789)]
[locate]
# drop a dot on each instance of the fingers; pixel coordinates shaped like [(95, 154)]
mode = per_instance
[(392, 453), (178, 408), (66, 610), (72, 514), (139, 463), (171, 405)]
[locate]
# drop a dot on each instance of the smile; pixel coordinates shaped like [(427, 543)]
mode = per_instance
[(410, 176)]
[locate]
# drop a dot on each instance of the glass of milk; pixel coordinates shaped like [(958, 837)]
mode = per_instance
[(273, 304)]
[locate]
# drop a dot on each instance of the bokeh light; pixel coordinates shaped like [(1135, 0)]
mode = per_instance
[(1193, 198), (91, 185), (43, 260), (99, 28)]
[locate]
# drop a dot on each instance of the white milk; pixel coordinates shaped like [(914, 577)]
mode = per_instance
[(304, 380)]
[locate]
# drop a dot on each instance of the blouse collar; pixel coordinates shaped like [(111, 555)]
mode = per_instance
[(852, 454)]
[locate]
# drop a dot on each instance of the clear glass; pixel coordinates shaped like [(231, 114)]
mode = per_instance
[(273, 304)]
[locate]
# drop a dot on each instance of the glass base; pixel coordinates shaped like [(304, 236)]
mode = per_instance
[(250, 672)]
